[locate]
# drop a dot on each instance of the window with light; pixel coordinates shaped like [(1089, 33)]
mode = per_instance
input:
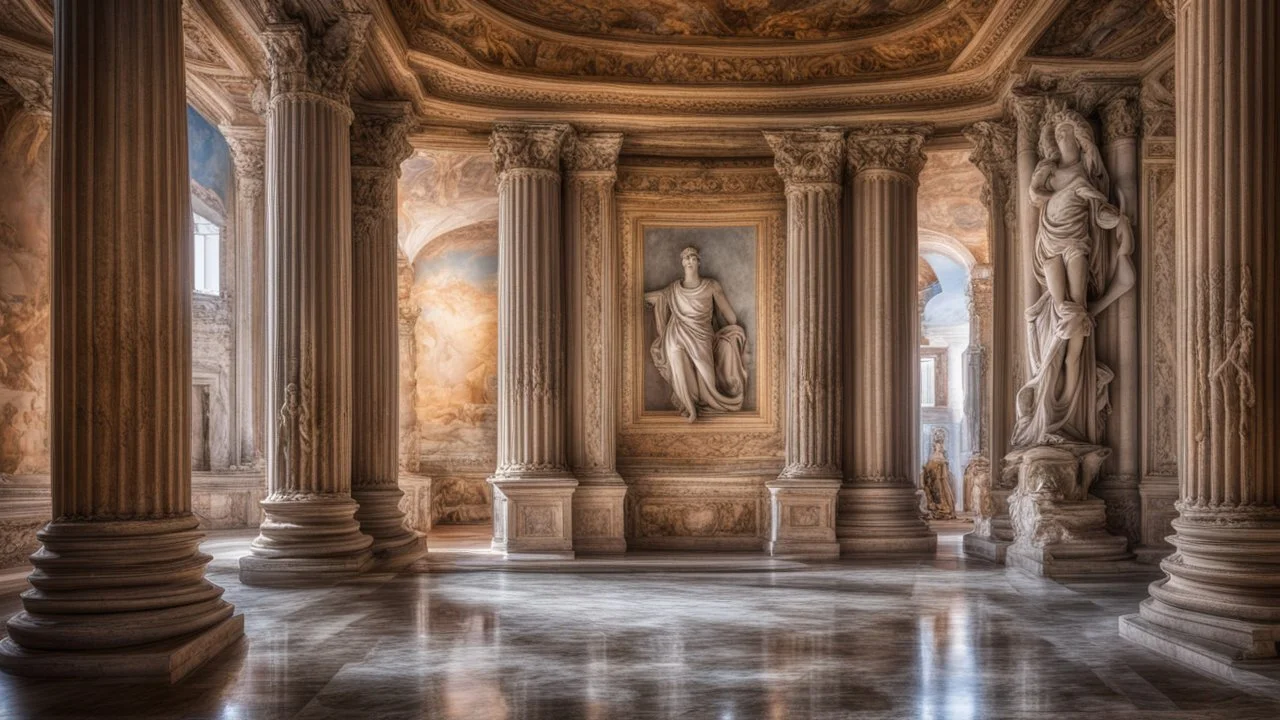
[(928, 369), (208, 238)]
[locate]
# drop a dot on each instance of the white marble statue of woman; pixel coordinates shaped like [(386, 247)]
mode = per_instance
[(1083, 262), (705, 366)]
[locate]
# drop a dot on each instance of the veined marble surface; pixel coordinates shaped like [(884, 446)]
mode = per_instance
[(946, 637)]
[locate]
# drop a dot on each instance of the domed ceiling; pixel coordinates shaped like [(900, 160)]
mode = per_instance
[(787, 19)]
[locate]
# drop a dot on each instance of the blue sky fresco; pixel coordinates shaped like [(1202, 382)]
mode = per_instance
[(950, 307), (208, 154)]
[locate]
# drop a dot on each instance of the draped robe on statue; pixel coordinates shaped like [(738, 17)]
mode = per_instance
[(705, 368)]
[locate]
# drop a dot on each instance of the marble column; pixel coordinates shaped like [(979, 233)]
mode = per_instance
[(310, 535), (248, 150), (997, 325), (533, 486), (378, 145), (1218, 608), (119, 584), (879, 510), (591, 246), (1118, 339), (803, 498)]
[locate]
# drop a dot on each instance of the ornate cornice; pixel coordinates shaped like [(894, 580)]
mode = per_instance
[(888, 147), (808, 156), (592, 152), (379, 137), (323, 64), (517, 146)]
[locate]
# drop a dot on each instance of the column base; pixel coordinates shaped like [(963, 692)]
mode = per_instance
[(307, 540), (987, 548), (598, 519), (533, 517), (167, 661), (1196, 640), (803, 517), (882, 518), (395, 545), (1060, 530)]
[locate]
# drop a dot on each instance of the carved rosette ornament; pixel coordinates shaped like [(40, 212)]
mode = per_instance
[(379, 144), (1218, 608), (119, 587), (309, 535), (878, 505), (532, 483)]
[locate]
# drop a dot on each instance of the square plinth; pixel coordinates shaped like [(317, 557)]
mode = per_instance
[(803, 517), (167, 661), (533, 518)]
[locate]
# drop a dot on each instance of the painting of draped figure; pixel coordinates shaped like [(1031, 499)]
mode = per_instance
[(700, 301)]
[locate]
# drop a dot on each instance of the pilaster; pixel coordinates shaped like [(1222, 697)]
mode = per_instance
[(533, 486), (804, 497), (591, 240), (1218, 606), (119, 584), (309, 535), (878, 508), (379, 145)]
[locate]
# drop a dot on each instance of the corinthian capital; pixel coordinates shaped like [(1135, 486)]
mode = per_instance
[(380, 136), (888, 147), (527, 146), (1121, 117), (592, 152), (248, 147), (807, 156), (995, 149), (301, 61)]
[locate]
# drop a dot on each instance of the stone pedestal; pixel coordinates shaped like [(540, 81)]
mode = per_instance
[(1218, 608), (1060, 530), (310, 535), (533, 486), (591, 164), (378, 146), (878, 510), (119, 588), (992, 529), (803, 497)]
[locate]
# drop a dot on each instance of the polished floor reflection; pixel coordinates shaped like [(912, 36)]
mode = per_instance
[(940, 638)]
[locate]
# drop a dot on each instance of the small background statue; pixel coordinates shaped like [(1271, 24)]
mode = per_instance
[(935, 480), (705, 366), (1082, 268)]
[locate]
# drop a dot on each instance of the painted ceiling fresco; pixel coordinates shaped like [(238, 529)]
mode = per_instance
[(949, 201), (798, 19)]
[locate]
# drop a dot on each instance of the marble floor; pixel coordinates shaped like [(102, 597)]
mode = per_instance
[(944, 637)]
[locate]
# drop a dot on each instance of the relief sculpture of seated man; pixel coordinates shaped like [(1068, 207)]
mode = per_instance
[(705, 366)]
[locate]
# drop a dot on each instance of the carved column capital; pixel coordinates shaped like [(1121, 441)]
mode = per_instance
[(380, 136), (32, 79), (317, 64), (527, 147), (805, 157), (1121, 117), (898, 148), (995, 154), (248, 147), (595, 153), (1027, 111)]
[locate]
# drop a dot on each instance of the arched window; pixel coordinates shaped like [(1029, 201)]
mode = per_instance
[(208, 240)]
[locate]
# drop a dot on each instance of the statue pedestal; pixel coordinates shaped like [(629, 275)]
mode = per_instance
[(533, 517), (598, 515), (992, 529), (803, 512), (1059, 529)]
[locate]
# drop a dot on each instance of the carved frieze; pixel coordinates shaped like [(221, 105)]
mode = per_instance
[(888, 147)]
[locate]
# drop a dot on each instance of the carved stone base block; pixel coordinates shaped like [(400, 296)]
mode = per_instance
[(395, 545), (307, 541), (803, 512), (416, 502), (1159, 494), (1208, 644), (533, 518), (598, 517), (879, 518), (167, 661), (1059, 529), (992, 529)]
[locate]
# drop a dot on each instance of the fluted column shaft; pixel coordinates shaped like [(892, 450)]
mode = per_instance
[(248, 154), (378, 146), (309, 535), (120, 565), (1220, 601), (878, 508), (532, 423)]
